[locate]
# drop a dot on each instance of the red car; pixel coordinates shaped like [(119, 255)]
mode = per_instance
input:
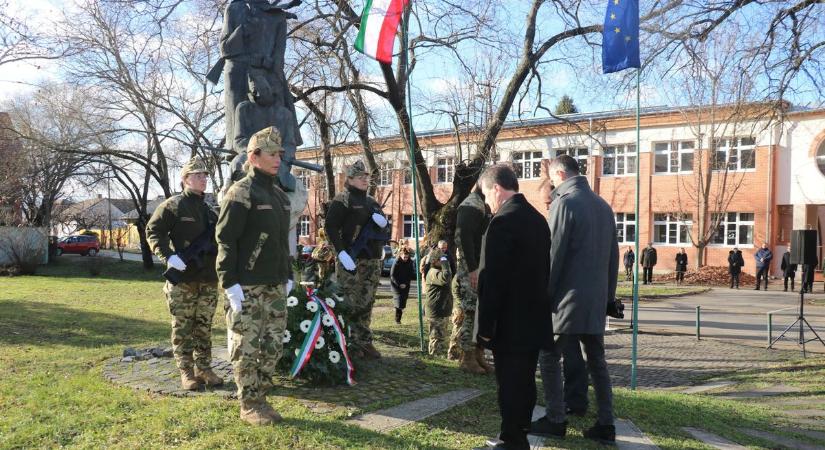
[(82, 244)]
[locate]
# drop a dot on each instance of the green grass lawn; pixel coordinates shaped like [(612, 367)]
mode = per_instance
[(57, 328)]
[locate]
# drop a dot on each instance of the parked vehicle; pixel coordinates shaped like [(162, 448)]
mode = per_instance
[(83, 245)]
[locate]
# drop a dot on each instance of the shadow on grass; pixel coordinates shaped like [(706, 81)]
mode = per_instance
[(29, 323), (356, 437), (74, 266)]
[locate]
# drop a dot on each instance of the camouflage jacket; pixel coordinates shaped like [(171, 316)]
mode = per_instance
[(177, 222), (439, 296), (348, 212), (472, 219), (252, 232)]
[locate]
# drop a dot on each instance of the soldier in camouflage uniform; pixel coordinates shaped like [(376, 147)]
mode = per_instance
[(471, 222), (357, 275), (253, 269), (177, 222), (439, 301)]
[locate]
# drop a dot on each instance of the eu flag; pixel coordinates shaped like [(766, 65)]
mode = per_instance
[(620, 37)]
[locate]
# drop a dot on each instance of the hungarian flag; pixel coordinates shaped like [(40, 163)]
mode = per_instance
[(379, 23)]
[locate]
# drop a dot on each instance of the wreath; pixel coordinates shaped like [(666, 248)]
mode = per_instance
[(315, 339)]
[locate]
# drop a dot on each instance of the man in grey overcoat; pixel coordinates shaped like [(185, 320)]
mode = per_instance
[(584, 265)]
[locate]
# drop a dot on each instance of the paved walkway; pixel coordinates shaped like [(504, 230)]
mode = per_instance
[(732, 315), (126, 256)]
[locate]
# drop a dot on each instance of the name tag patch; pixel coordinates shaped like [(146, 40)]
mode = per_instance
[(187, 219), (264, 207)]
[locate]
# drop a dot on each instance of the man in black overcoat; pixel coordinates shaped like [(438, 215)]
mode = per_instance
[(514, 316)]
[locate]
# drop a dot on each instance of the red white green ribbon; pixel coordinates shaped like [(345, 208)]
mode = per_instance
[(314, 333)]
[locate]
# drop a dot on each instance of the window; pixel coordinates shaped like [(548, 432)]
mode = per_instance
[(385, 173), (671, 228), (527, 165), (580, 154), (626, 227), (446, 169), (303, 226), (408, 226), (673, 157), (737, 153), (405, 167), (820, 158), (734, 229), (619, 160), (303, 176)]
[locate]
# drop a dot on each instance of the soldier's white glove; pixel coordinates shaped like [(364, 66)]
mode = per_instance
[(289, 285), (346, 260), (235, 296), (379, 220), (176, 263)]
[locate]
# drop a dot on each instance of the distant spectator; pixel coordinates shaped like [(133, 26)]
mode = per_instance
[(681, 266), (401, 274), (789, 271), (648, 262), (629, 258), (735, 263), (763, 259)]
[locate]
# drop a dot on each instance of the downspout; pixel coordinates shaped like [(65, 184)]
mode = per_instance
[(769, 206)]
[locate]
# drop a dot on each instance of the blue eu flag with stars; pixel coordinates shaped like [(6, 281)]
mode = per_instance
[(620, 37)]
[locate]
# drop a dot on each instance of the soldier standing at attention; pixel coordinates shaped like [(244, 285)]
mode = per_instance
[(358, 275), (253, 268), (472, 218), (177, 222)]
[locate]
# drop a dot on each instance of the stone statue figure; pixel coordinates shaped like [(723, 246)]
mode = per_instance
[(253, 45)]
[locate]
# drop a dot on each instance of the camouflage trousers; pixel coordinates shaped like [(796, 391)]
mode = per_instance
[(359, 290), (438, 335), (192, 306), (464, 312), (255, 339)]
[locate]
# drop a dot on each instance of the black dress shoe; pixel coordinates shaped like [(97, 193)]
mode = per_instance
[(544, 428), (604, 434)]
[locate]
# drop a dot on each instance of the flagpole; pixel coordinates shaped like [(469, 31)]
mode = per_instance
[(405, 39), (635, 315)]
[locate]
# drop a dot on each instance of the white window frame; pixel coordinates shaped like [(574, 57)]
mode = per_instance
[(730, 229), (625, 221), (303, 226), (580, 154), (405, 169), (445, 169), (677, 228), (624, 153), (674, 151), (527, 164), (408, 227), (733, 154), (303, 176), (385, 172)]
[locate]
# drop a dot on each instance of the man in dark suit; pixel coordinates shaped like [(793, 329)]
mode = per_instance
[(584, 265), (513, 306)]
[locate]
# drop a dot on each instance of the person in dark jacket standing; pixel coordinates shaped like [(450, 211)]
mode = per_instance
[(358, 275), (513, 306), (401, 274), (584, 266), (735, 264), (177, 222), (629, 258), (789, 270), (648, 262), (763, 259), (253, 267), (681, 266)]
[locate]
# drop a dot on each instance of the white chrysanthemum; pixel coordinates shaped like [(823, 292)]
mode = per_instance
[(312, 306), (330, 302), (338, 297), (291, 301), (319, 344), (287, 337), (305, 325), (297, 351), (327, 320), (341, 320), (334, 356)]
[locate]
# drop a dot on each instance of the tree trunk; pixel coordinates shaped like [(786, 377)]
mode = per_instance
[(145, 251)]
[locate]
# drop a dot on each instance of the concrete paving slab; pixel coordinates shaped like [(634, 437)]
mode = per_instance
[(630, 437), (391, 418), (769, 391), (713, 385), (713, 440), (781, 441)]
